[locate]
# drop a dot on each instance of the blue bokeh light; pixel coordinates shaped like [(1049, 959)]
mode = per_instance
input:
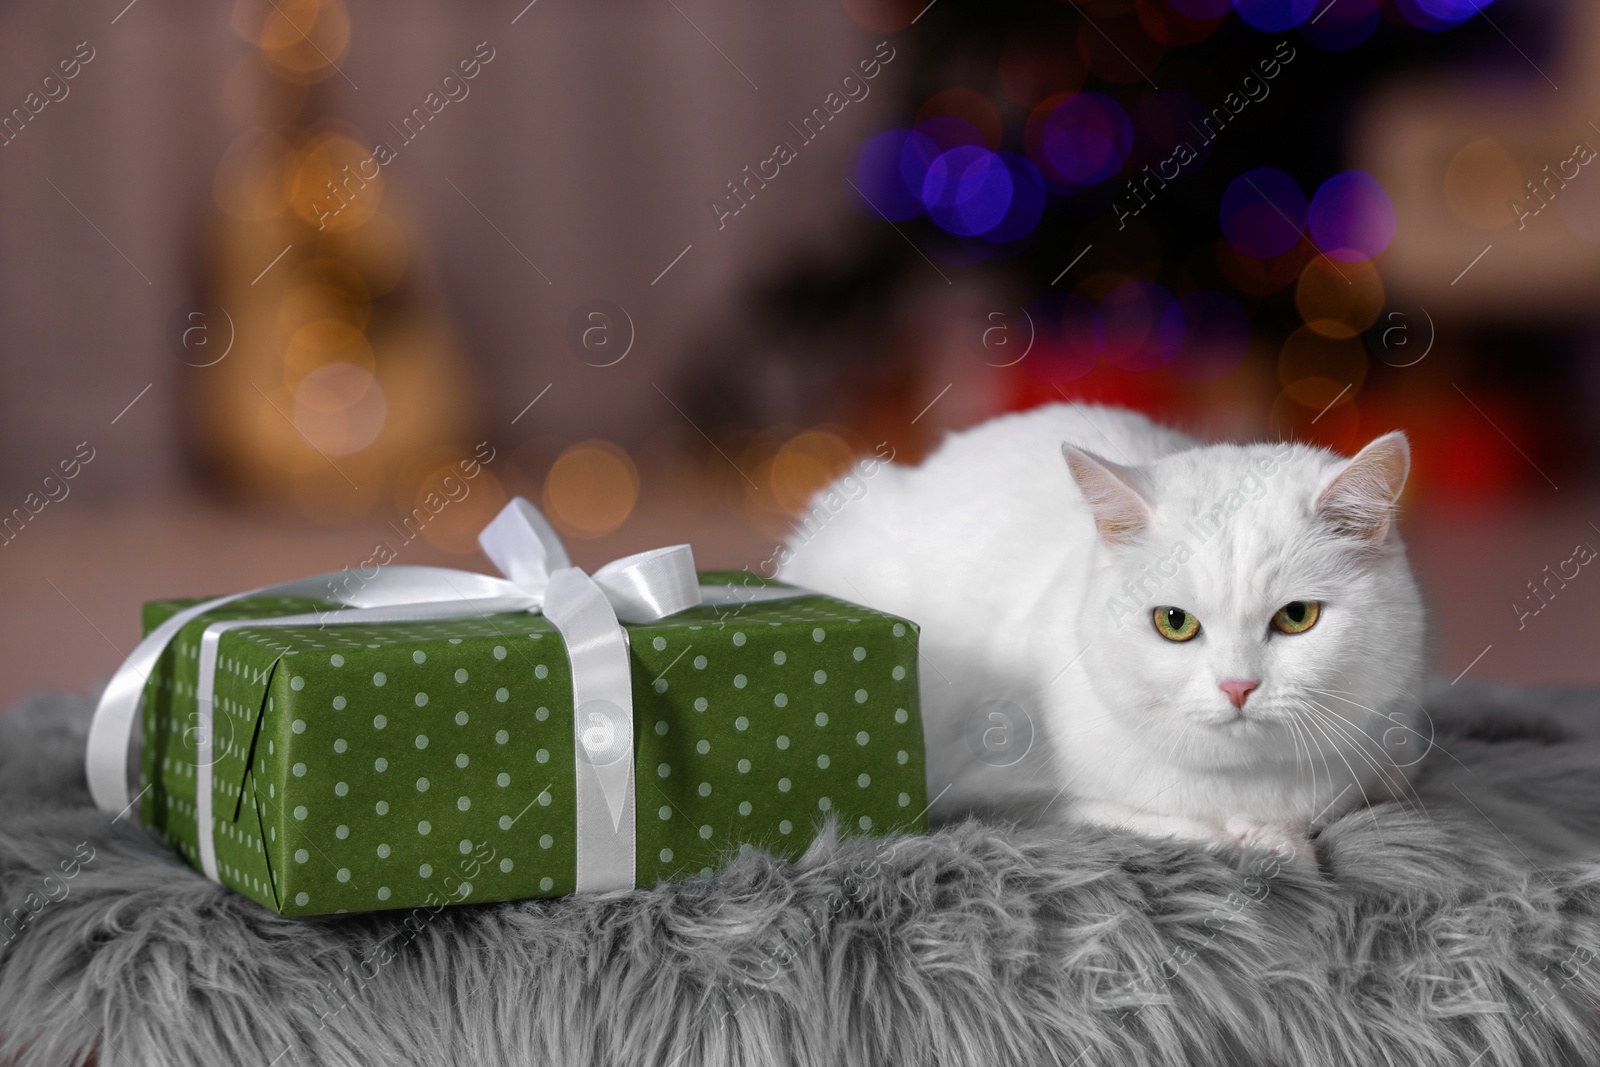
[(1263, 213)]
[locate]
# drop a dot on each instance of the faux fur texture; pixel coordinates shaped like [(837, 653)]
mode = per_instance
[(1463, 932)]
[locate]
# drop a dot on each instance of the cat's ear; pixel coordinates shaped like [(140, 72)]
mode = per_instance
[(1115, 495), (1358, 496)]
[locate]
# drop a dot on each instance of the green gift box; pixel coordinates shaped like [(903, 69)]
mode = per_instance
[(399, 764)]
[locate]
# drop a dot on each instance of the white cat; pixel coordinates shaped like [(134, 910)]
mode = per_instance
[(1219, 642)]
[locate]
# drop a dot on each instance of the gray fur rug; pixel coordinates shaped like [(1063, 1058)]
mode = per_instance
[(1466, 932)]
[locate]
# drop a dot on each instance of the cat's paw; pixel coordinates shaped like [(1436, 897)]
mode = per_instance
[(1286, 842)]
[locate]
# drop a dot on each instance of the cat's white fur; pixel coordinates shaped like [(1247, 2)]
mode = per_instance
[(1014, 546)]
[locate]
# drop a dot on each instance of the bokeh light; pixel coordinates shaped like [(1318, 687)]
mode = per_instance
[(251, 176), (1027, 202), (1204, 334), (340, 408), (890, 170), (1078, 139), (805, 464), (1274, 16), (591, 489), (1439, 15), (1481, 182), (1319, 371), (1351, 217), (967, 190), (1263, 213), (1339, 301), (1342, 24)]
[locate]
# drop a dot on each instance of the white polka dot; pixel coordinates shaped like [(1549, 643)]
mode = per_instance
[(383, 892), (419, 656), (898, 673), (341, 788), (664, 770), (382, 807), (343, 874), (863, 780), (903, 756), (862, 738), (779, 657), (298, 726), (658, 643), (544, 799), (383, 852), (300, 812), (822, 718), (659, 685), (424, 828), (664, 813), (301, 855), (499, 651), (379, 678), (666, 855), (699, 663), (502, 779), (901, 715), (785, 826), (340, 745), (705, 833), (824, 803), (661, 728), (421, 699), (422, 785), (506, 865), (463, 803), (741, 723), (818, 634), (425, 871), (461, 674), (861, 696), (822, 761), (302, 899), (462, 718), (380, 764), (541, 671), (297, 683), (700, 704), (865, 822), (299, 770), (541, 714), (819, 677), (744, 766), (905, 800), (745, 808), (505, 822), (705, 789), (781, 700), (462, 760), (501, 737), (784, 784), (702, 746), (740, 681), (338, 703), (546, 884), (379, 722), (858, 653), (336, 659), (899, 630), (545, 840), (422, 741), (502, 694), (464, 846), (738, 638), (783, 741)]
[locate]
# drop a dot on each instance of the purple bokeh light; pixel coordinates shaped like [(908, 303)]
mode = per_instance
[(1263, 213), (1351, 217)]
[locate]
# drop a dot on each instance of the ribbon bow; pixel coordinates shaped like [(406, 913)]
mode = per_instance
[(539, 578)]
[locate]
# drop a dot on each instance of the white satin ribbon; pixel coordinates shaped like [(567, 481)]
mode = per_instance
[(538, 578)]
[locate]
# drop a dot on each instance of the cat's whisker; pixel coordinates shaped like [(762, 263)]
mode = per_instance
[(1393, 778), (1321, 753), (1399, 772), (1355, 778)]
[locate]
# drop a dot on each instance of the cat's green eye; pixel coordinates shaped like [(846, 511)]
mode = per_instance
[(1175, 624), (1297, 616)]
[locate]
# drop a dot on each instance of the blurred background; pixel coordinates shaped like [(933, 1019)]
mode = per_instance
[(271, 271)]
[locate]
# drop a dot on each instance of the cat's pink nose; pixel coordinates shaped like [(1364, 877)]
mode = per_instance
[(1238, 689)]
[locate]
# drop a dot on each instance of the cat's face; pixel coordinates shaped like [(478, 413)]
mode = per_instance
[(1254, 606)]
